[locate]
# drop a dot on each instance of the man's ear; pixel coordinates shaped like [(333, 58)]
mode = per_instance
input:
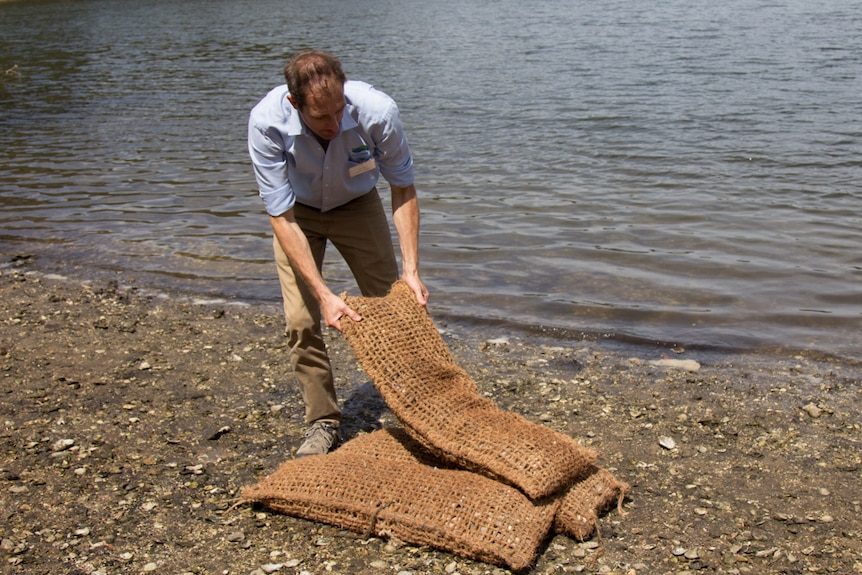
[(292, 102)]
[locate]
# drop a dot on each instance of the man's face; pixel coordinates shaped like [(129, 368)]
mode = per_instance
[(324, 107)]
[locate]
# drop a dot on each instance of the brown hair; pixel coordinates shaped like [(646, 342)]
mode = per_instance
[(307, 68)]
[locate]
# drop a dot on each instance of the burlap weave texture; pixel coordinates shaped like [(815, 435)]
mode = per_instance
[(437, 402), (581, 504), (578, 504), (453, 510)]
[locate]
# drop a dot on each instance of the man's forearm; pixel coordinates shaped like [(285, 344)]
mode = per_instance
[(405, 215), (295, 246)]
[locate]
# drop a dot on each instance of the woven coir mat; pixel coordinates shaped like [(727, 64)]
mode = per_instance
[(579, 504), (438, 403), (453, 510)]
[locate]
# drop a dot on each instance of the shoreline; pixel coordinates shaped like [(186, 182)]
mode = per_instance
[(146, 282), (131, 423)]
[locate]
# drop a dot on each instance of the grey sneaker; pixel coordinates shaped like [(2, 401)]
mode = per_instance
[(320, 438)]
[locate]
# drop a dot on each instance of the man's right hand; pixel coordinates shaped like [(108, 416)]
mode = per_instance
[(295, 245), (333, 309)]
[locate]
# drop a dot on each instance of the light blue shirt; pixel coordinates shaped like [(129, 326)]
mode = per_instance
[(291, 166)]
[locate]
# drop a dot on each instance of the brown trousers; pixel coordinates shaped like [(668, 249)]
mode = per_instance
[(360, 232)]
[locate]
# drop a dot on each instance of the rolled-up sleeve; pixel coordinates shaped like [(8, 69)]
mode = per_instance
[(270, 168), (393, 152)]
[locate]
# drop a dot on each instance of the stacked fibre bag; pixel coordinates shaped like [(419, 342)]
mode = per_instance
[(438, 403), (463, 475), (385, 483), (579, 504), (453, 510)]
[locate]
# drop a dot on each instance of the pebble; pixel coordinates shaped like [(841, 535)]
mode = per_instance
[(499, 341), (150, 567), (684, 364), (667, 442), (813, 411), (62, 444)]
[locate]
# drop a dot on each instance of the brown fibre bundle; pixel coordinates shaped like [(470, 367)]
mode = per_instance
[(456, 511), (439, 405), (582, 502), (579, 503)]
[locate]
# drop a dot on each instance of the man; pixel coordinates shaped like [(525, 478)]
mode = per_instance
[(318, 145)]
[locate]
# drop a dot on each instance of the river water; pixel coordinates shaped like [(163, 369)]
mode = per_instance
[(679, 171)]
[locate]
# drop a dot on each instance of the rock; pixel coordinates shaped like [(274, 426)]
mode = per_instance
[(683, 364), (667, 442), (62, 444), (495, 342), (218, 433), (812, 410)]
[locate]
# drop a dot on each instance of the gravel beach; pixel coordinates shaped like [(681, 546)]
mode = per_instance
[(132, 420)]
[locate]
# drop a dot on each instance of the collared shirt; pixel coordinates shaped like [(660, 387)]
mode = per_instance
[(291, 166)]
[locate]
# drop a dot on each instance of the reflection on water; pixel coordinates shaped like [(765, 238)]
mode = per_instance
[(670, 173)]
